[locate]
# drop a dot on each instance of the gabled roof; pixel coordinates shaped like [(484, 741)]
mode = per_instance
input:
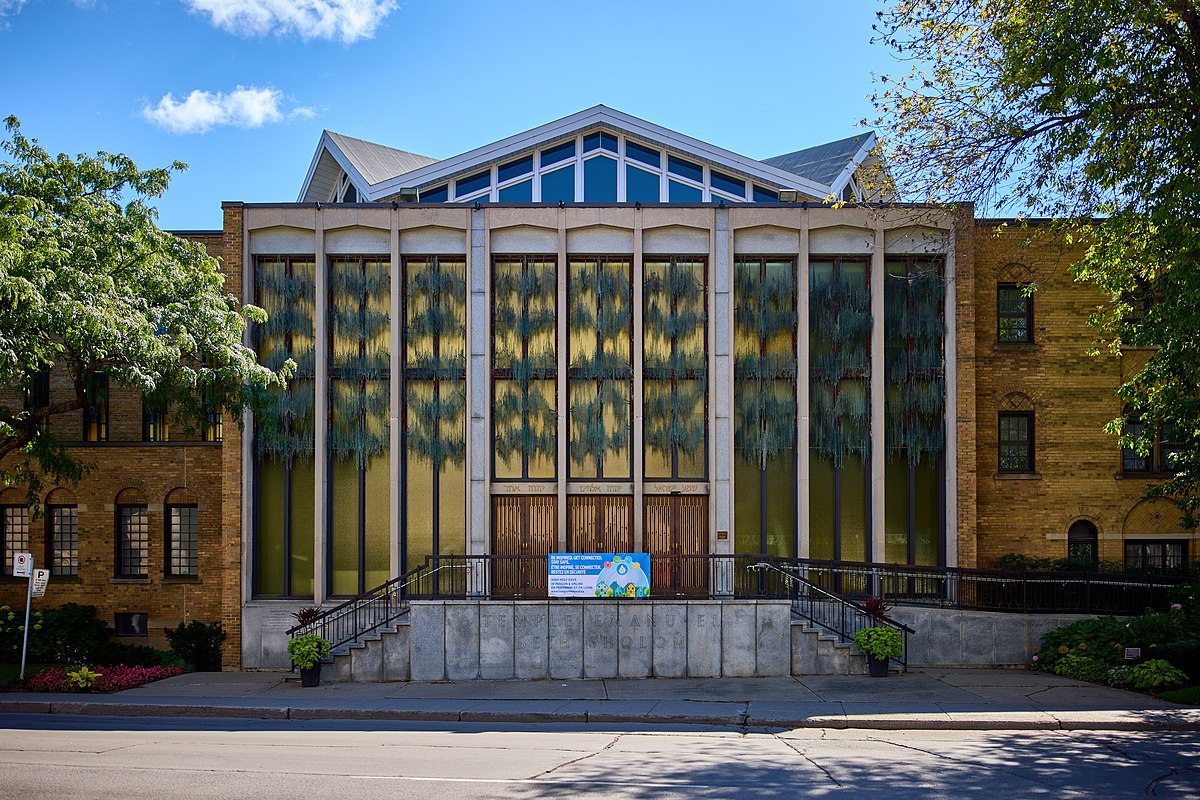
[(365, 162), (826, 163), (376, 162), (380, 172)]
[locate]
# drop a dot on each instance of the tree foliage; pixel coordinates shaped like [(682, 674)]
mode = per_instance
[(1086, 112), (88, 283)]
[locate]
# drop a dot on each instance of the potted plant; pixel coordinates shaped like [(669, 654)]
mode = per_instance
[(307, 651), (881, 642)]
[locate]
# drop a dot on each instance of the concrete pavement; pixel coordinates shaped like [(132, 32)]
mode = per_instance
[(935, 699)]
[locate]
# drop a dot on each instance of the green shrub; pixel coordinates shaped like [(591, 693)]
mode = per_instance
[(199, 644), (1121, 676), (1154, 627), (1081, 668), (1157, 673), (1018, 562), (133, 655), (310, 648), (1103, 639), (1183, 653), (880, 642), (12, 631), (69, 634)]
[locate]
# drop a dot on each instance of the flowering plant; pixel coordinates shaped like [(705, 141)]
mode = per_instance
[(115, 678)]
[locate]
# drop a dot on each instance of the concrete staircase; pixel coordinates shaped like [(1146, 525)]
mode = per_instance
[(815, 651), (382, 655)]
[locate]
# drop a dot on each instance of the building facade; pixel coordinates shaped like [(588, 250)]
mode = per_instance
[(600, 335)]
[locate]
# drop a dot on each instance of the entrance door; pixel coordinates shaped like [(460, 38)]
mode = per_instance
[(598, 523), (676, 537), (524, 530)]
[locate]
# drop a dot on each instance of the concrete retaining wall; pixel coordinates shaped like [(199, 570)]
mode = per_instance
[(465, 640), (949, 637)]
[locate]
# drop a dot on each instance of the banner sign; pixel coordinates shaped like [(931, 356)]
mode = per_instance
[(599, 574)]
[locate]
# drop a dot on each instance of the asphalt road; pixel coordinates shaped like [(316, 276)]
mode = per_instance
[(108, 757)]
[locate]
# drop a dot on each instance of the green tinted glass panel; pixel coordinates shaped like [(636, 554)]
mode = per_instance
[(781, 505), (928, 513), (896, 512), (271, 555), (302, 529), (376, 525), (854, 510), (418, 523), (343, 529), (452, 502), (820, 501), (747, 514)]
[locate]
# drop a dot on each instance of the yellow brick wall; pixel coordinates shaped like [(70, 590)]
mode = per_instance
[(1078, 466), (150, 471)]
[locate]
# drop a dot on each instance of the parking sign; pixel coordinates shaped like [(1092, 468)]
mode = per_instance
[(23, 565)]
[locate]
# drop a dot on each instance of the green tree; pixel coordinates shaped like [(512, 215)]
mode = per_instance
[(1086, 112), (88, 283)]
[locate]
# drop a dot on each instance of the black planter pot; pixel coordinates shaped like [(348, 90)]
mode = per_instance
[(878, 667), (311, 677)]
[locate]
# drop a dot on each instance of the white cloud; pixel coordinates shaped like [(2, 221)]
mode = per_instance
[(201, 111), (11, 7), (348, 20), (302, 112)]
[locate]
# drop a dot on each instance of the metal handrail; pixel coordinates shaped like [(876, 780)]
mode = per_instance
[(717, 576), (831, 612), (355, 618)]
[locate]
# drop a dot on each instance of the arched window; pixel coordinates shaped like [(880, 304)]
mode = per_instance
[(1082, 543)]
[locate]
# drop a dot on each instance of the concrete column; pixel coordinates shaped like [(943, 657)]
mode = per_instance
[(248, 444), (951, 352), (563, 423), (802, 397), (639, 517), (320, 410), (478, 385), (721, 385), (878, 450), (395, 390)]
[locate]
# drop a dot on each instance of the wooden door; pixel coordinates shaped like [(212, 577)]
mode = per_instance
[(676, 537), (524, 530), (598, 523)]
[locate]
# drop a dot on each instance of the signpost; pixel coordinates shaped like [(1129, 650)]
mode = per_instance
[(38, 578)]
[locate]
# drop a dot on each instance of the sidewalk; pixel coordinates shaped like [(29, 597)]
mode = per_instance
[(966, 699)]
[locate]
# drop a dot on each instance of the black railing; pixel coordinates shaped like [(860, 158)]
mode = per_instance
[(996, 590), (359, 616), (818, 586), (825, 610)]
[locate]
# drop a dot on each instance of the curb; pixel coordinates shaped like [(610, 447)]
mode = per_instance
[(915, 721)]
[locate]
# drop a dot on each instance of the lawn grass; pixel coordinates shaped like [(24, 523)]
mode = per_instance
[(1187, 697), (10, 674)]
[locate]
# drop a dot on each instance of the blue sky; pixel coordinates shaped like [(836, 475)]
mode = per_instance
[(435, 77)]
